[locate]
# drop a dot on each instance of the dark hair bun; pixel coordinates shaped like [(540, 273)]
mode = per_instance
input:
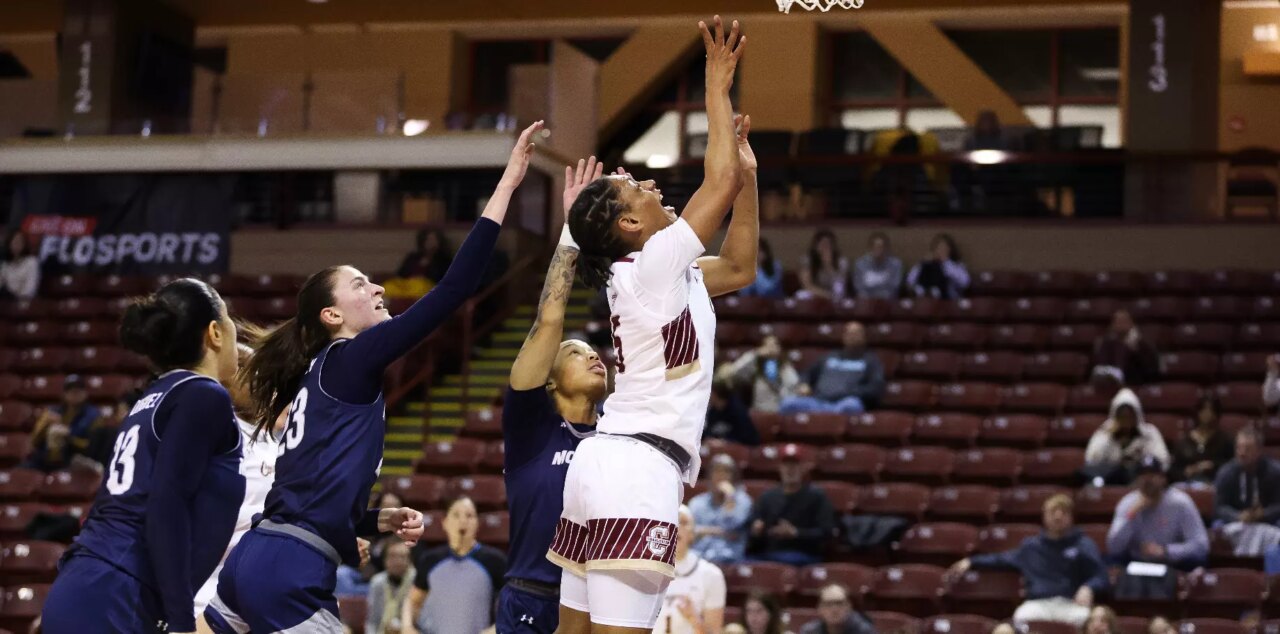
[(147, 327), (167, 327)]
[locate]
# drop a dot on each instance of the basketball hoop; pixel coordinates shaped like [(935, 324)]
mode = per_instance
[(820, 5)]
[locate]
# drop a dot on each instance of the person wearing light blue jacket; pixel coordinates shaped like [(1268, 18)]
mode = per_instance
[(721, 515)]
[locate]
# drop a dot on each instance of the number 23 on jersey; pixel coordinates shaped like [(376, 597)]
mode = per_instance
[(297, 425)]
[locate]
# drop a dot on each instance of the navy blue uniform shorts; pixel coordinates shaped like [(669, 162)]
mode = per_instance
[(91, 595), (272, 583), (521, 612)]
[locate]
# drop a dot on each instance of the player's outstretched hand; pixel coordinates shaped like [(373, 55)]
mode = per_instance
[(405, 522), (518, 165), (723, 54), (742, 129), (362, 545), (575, 180)]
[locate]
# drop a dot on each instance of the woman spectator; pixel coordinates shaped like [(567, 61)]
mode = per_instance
[(1160, 625), (942, 274), (878, 273), (766, 372), (1102, 620), (728, 418), (1122, 356), (1120, 444), (389, 589), (430, 259), (20, 272), (1203, 448), (768, 281), (721, 514), (761, 614), (457, 583), (825, 273)]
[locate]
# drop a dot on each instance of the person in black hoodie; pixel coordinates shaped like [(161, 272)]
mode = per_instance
[(1062, 569), (792, 523)]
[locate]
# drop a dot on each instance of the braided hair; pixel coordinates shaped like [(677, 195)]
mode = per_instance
[(591, 222)]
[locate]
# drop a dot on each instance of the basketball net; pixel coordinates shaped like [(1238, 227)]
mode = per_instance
[(818, 5)]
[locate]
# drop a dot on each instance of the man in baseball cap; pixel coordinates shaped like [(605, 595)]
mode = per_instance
[(1157, 523), (792, 523)]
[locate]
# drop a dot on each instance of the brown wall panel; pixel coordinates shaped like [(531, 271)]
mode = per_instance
[(779, 74), (1248, 106), (638, 68)]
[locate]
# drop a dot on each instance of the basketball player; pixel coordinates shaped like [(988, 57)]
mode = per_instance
[(695, 600), (325, 366), (615, 539), (550, 406), (169, 497)]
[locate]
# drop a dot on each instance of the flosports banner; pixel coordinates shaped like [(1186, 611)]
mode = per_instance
[(127, 224)]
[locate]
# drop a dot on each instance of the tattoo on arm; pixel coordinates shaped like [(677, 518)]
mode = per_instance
[(559, 283)]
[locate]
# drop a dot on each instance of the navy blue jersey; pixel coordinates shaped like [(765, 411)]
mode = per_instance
[(330, 455), (538, 445), (171, 493)]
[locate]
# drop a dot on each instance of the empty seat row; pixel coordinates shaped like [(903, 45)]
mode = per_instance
[(35, 359), (986, 398), (48, 388), (72, 486), (421, 491), (88, 285)]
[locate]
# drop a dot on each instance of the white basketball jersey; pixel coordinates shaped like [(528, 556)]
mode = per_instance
[(664, 338), (698, 583), (258, 466)]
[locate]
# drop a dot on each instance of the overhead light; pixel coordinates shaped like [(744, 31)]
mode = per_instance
[(1100, 74), (317, 1), (659, 161), (414, 127), (988, 157)]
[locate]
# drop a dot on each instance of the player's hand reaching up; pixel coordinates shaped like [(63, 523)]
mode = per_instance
[(518, 165), (723, 54), (746, 156), (405, 522), (576, 180)]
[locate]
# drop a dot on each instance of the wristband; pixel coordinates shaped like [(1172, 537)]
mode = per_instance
[(566, 239)]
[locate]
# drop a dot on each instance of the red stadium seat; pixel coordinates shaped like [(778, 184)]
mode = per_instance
[(1014, 430), (485, 424), (1257, 337), (894, 622), (1195, 367), (964, 503), (1058, 465), (1146, 310), (1057, 367), (854, 463), (986, 592), (353, 610), (1175, 282), (795, 618), (1053, 627), (109, 387), (950, 430), (792, 334), (997, 367), (1078, 337), (957, 624), (767, 423), (90, 333), (1046, 399), (764, 460), (77, 485), (915, 309), (20, 310), (1089, 399), (13, 448), (1217, 308), (803, 309), (10, 384), (887, 428), (1233, 423), (74, 308), (890, 359), (1203, 499), (1224, 592), (811, 580), (1092, 310), (737, 334), (30, 561), (118, 286), (36, 333), (1061, 283), (930, 365), (1169, 425), (453, 457), (38, 360), (1213, 337), (911, 396), (896, 335), (938, 543), (1018, 337), (1176, 398), (961, 336), (20, 485), (21, 605), (1001, 537), (1037, 310), (433, 528), (898, 499), (1264, 308), (972, 397), (1243, 366), (842, 495), (270, 285), (813, 428), (1097, 504), (87, 359), (493, 461), (1240, 398), (743, 578), (8, 357), (805, 358), (985, 310), (15, 517), (495, 529), (1212, 626), (61, 286), (993, 465), (1074, 430), (488, 492), (909, 588), (863, 310), (712, 447), (1025, 503), (417, 491), (745, 308), (1096, 533), (927, 465), (1116, 283), (42, 388), (1000, 283), (16, 416)]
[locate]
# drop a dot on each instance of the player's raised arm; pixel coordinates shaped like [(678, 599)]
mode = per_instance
[(722, 172), (735, 266), (533, 364)]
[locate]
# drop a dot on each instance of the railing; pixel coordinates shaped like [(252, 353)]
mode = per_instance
[(462, 331)]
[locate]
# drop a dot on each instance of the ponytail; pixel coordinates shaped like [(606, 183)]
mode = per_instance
[(591, 222)]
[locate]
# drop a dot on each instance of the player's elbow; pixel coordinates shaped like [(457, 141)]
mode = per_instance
[(742, 276)]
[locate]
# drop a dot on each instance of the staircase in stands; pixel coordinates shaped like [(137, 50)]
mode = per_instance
[(490, 367)]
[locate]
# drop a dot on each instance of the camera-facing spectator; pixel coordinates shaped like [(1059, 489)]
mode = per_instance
[(1117, 448), (1160, 625), (767, 372), (850, 381), (76, 412), (430, 259), (1204, 448), (836, 614), (1123, 356), (792, 523), (721, 514), (1247, 497), (457, 583), (941, 274), (986, 133), (389, 589), (878, 273), (1157, 523), (824, 272), (728, 418), (20, 270), (768, 282), (762, 614), (1102, 620), (50, 447), (694, 602)]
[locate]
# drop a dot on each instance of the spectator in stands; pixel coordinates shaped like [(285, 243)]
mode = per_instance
[(721, 514), (457, 583), (836, 614), (766, 372), (430, 259), (1160, 625), (1062, 569), (768, 281), (762, 614), (850, 381), (1123, 356), (825, 273), (1204, 448), (378, 549), (1247, 497), (1102, 620), (694, 602), (50, 446), (1122, 442), (986, 134), (1003, 628), (20, 270), (1271, 384), (1157, 523), (792, 523), (76, 412), (389, 589), (727, 418), (941, 274), (878, 273)]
